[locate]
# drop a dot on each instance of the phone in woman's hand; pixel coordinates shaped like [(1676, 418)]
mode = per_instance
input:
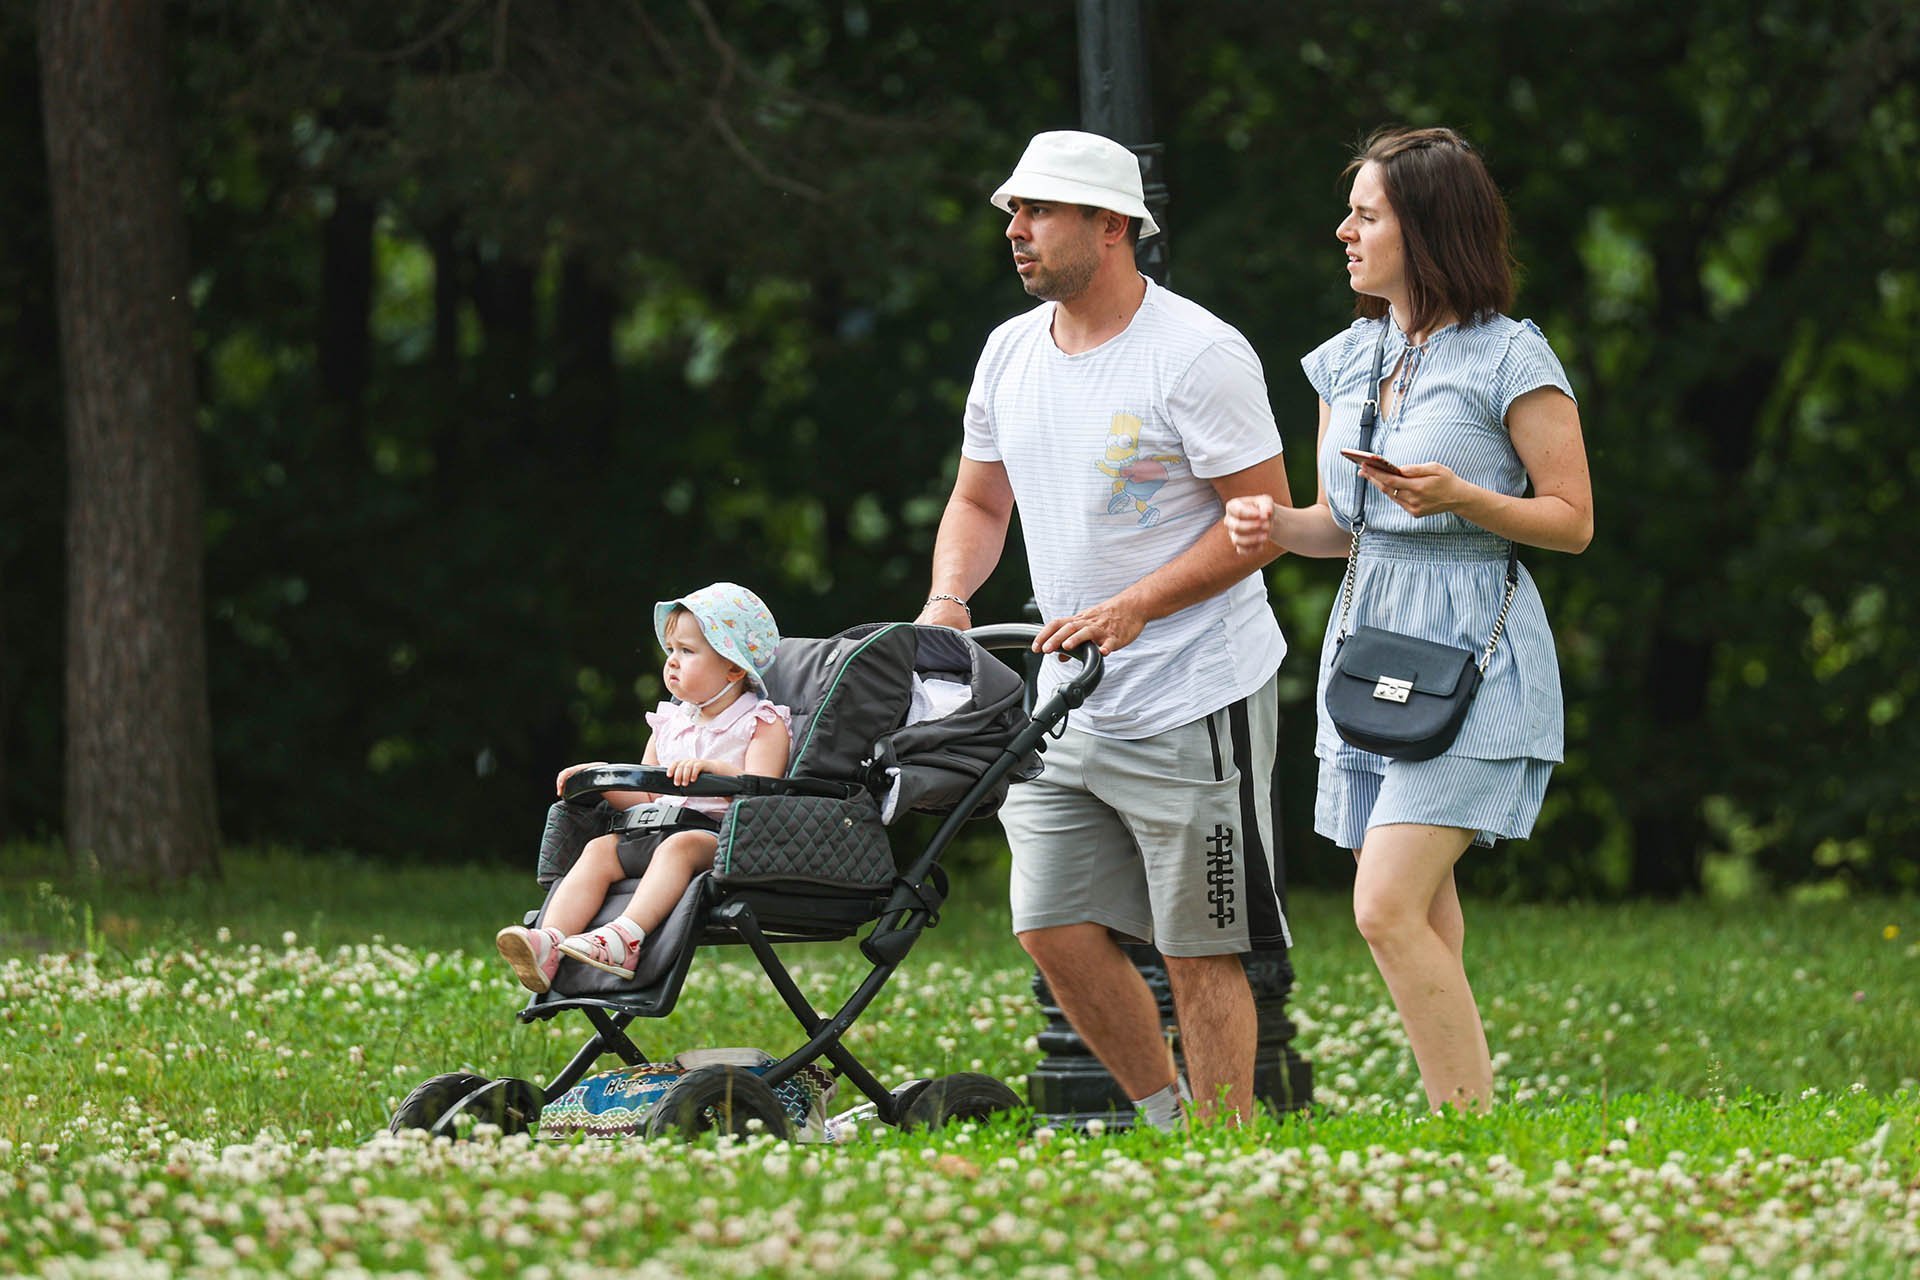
[(1374, 460)]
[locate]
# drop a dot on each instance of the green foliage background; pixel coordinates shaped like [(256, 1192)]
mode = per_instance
[(511, 320)]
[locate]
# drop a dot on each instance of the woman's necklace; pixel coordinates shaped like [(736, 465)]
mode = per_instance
[(1410, 360)]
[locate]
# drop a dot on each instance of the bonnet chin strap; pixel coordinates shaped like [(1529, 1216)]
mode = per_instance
[(725, 687)]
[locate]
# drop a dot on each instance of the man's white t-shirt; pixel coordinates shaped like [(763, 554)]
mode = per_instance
[(1109, 453)]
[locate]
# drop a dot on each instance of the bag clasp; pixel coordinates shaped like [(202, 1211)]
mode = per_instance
[(1391, 689)]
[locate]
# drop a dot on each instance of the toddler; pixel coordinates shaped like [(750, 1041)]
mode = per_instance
[(719, 642)]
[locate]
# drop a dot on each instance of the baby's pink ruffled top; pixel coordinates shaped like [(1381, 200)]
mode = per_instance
[(679, 734)]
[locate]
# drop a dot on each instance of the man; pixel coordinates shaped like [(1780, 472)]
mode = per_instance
[(1120, 418)]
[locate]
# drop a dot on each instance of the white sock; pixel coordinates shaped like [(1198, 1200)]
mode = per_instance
[(1160, 1109), (627, 932)]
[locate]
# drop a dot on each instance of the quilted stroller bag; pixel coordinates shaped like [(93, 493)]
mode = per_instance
[(862, 712), (804, 841)]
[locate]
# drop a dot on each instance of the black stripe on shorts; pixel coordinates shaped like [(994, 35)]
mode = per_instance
[(1264, 930)]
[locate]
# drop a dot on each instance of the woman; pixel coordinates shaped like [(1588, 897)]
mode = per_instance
[(1473, 407)]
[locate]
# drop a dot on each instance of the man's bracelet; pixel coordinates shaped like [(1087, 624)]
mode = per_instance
[(938, 596)]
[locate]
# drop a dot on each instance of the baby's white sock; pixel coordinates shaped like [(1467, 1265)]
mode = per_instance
[(1161, 1109), (627, 932)]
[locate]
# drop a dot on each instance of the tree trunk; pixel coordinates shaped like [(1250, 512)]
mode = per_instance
[(447, 295), (346, 307), (6, 706), (1668, 830), (140, 794), (504, 291), (586, 398)]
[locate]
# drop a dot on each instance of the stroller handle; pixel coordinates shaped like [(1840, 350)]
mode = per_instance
[(911, 900), (585, 786), (1019, 635)]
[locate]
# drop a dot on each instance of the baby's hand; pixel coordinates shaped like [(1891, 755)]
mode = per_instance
[(560, 783), (685, 771), (1250, 522)]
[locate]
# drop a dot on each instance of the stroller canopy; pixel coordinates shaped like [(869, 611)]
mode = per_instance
[(916, 713)]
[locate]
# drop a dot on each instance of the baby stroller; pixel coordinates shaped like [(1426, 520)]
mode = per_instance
[(887, 718)]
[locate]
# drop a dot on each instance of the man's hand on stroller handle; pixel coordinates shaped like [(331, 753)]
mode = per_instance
[(1106, 626), (1023, 635)]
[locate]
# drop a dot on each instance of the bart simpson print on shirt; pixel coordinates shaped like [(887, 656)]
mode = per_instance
[(1136, 477)]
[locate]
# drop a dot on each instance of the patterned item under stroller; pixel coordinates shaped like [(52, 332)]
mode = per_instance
[(887, 718)]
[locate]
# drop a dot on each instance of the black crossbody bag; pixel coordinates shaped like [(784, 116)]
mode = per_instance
[(1396, 695)]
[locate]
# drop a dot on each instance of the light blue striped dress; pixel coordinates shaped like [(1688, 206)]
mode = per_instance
[(1442, 578)]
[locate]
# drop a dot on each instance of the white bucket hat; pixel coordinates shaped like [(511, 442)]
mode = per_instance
[(1079, 168)]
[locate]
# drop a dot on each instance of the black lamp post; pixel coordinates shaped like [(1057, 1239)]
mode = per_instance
[(1070, 1086), (1116, 100)]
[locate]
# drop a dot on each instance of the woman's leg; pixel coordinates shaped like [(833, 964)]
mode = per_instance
[(585, 885), (1447, 920), (1408, 909), (677, 860)]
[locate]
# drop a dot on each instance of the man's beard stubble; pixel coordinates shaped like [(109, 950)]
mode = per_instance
[(1067, 280)]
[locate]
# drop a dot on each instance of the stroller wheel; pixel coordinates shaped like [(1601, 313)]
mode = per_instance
[(907, 1094), (440, 1105), (433, 1098), (965, 1095), (718, 1099), (510, 1104)]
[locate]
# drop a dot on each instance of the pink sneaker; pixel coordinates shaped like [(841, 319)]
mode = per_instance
[(533, 953), (606, 949)]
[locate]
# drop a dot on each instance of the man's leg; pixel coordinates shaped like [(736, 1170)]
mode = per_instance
[(1199, 806), (1218, 1031), (1077, 880), (1107, 1002)]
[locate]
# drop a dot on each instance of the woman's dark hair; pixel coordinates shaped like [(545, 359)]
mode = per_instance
[(1453, 225)]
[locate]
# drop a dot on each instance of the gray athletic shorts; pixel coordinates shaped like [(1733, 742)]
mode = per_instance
[(1167, 839)]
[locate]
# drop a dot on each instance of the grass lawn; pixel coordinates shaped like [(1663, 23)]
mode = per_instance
[(193, 1083)]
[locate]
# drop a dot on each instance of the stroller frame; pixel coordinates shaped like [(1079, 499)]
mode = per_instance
[(760, 918)]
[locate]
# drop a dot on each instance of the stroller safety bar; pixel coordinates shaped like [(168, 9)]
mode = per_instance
[(585, 786)]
